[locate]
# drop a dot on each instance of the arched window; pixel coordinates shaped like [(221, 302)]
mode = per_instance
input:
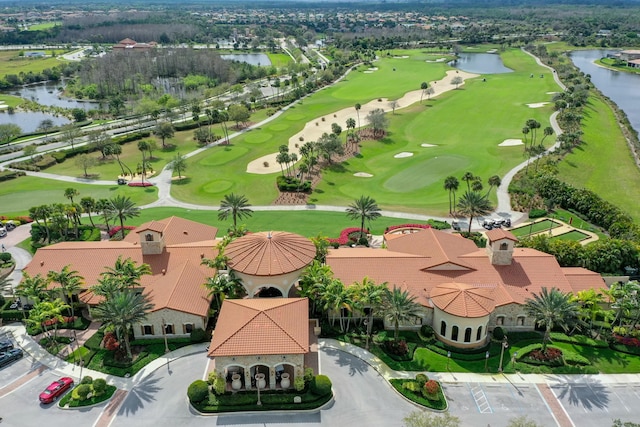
[(148, 237), (454, 333), (504, 246), (479, 333), (443, 328), (520, 321), (467, 335)]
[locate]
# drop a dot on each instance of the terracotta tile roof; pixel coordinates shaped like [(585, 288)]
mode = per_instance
[(177, 274), (261, 326), (529, 271), (270, 253), (176, 231), (459, 299), (499, 233)]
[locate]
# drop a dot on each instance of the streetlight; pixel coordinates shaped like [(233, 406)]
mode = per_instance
[(486, 361), (164, 334), (513, 360), (448, 358), (258, 378), (505, 344)]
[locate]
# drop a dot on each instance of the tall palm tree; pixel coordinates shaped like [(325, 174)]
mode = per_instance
[(88, 205), (45, 312), (225, 285), (122, 310), (236, 206), (334, 298), (451, 184), (315, 278), (468, 177), (358, 107), (550, 309), (548, 131), (473, 204), (123, 208), (494, 181), (70, 282), (363, 208), (33, 288), (70, 193), (106, 287), (103, 207), (399, 306), (368, 295), (126, 273), (590, 304)]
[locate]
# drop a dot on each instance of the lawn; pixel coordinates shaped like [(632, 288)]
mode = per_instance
[(10, 100), (44, 26), (412, 184), (574, 220), (279, 60), (12, 63), (574, 235), (536, 227), (20, 194), (604, 150), (307, 223)]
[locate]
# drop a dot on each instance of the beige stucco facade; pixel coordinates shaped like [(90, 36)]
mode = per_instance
[(282, 282), (463, 332), (511, 317), (178, 322), (248, 366)]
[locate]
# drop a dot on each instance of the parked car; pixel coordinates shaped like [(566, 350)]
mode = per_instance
[(3, 231), (122, 181), (455, 225), (16, 305), (10, 225), (507, 222), (5, 345), (10, 355), (56, 389)]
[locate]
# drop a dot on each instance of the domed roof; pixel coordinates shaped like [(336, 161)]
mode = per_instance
[(270, 253), (459, 299)]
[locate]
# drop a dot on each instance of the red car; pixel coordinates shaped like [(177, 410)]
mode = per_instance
[(56, 389)]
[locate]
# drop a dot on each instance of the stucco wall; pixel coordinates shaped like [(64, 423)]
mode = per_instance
[(462, 323), (171, 317), (510, 313), (293, 364), (282, 282)]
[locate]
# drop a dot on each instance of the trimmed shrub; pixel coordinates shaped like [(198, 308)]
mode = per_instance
[(198, 335), (86, 380), (413, 386), (422, 378), (5, 257), (198, 391), (431, 390), (219, 385), (537, 213), (99, 386), (7, 175), (320, 385), (298, 383), (426, 331), (498, 333), (83, 391), (399, 348)]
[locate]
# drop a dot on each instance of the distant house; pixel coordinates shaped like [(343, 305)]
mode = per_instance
[(129, 44), (35, 54), (173, 248)]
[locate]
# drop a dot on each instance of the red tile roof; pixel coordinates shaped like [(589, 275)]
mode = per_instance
[(410, 261), (270, 253), (499, 233), (176, 230), (261, 326), (463, 300)]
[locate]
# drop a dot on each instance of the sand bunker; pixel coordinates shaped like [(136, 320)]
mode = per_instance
[(510, 142), (436, 60), (537, 104), (428, 145), (492, 50), (370, 70), (362, 175), (551, 93), (403, 154), (401, 57)]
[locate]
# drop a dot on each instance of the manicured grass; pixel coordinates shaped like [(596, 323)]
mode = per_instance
[(610, 63), (44, 26), (575, 221), (20, 194), (574, 235), (279, 60), (536, 227), (93, 400), (307, 223), (11, 101), (12, 63), (604, 150)]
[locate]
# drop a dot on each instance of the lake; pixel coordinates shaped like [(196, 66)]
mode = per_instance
[(480, 63), (622, 88), (259, 59)]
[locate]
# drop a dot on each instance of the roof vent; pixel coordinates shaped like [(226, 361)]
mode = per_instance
[(184, 232), (164, 271), (269, 235), (201, 255), (41, 263)]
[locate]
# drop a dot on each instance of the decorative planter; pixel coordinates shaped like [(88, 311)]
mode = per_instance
[(260, 381), (285, 383), (236, 384)]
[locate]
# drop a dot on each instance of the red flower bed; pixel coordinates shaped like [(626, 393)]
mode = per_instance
[(115, 230), (344, 235), (65, 319), (140, 184), (431, 389), (550, 355), (395, 227), (630, 341)]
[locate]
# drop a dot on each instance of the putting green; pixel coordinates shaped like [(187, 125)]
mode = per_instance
[(425, 173), (213, 187), (223, 155), (257, 137), (295, 117), (277, 127)]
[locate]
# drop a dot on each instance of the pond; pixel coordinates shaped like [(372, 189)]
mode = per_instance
[(259, 59), (30, 120), (622, 88), (480, 63), (49, 94)]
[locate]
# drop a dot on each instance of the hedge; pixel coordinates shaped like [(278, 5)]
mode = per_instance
[(288, 183), (579, 339), (8, 174), (198, 391), (537, 213), (320, 385)]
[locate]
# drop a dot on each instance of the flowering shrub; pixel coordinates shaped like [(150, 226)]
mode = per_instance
[(110, 342), (399, 348), (115, 230), (431, 389), (20, 219), (344, 235), (140, 184), (395, 227), (51, 322), (550, 355)]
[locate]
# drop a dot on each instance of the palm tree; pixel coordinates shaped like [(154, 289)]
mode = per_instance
[(358, 107), (590, 304), (178, 164), (399, 306), (143, 146), (33, 288), (473, 204), (46, 311), (126, 273), (88, 205), (334, 298), (6, 284), (351, 126), (451, 184), (363, 208), (70, 193), (123, 208), (548, 131), (313, 281), (122, 310), (468, 177), (103, 207), (369, 296), (224, 285), (551, 309), (70, 282), (494, 181), (423, 87), (106, 287), (236, 206)]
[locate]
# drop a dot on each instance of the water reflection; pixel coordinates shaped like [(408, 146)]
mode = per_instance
[(259, 59), (480, 63)]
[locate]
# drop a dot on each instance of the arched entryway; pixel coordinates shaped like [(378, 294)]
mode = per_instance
[(268, 292)]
